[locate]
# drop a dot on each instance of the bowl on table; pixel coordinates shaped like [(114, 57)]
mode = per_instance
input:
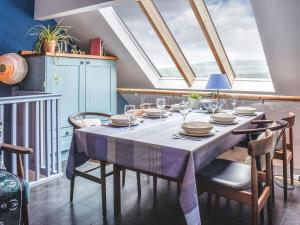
[(154, 112), (245, 110), (175, 107), (223, 118), (197, 127), (121, 120)]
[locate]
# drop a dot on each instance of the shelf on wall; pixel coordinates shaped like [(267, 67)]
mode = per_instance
[(31, 53)]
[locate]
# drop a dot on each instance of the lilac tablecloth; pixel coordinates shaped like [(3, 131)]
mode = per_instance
[(151, 147)]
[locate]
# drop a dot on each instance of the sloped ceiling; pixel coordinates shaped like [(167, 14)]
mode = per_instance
[(279, 26), (91, 25), (278, 23)]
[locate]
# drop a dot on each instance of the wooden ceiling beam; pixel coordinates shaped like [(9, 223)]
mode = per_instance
[(167, 39), (204, 19)]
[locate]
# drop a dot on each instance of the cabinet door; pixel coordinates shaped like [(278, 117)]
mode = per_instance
[(101, 86), (66, 76)]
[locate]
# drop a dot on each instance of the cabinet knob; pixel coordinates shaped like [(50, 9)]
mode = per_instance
[(81, 62), (68, 133), (87, 62)]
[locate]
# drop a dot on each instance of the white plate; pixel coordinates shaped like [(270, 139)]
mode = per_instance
[(212, 132), (244, 114), (123, 125), (224, 123), (156, 116), (223, 117), (197, 127), (153, 111), (244, 110)]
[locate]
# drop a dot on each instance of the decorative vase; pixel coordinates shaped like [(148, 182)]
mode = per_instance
[(194, 103), (49, 46)]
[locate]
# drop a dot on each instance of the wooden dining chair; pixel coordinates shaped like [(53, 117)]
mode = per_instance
[(19, 151), (240, 182), (284, 151), (86, 119)]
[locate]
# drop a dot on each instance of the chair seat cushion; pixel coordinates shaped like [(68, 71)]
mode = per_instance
[(227, 173)]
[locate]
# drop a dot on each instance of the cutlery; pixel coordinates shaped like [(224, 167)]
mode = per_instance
[(178, 136)]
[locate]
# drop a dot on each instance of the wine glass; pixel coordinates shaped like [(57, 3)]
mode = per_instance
[(161, 104), (129, 112), (185, 99), (233, 100), (184, 109), (213, 105)]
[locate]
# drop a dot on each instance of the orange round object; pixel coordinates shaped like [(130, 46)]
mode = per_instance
[(13, 68)]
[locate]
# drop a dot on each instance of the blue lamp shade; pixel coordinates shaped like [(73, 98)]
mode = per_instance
[(217, 82)]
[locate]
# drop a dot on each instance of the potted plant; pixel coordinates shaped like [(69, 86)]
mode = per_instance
[(194, 100), (50, 36)]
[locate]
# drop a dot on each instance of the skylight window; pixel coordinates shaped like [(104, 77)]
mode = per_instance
[(237, 29), (181, 21), (141, 30)]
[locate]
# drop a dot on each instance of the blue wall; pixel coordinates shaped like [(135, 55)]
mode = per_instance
[(16, 18)]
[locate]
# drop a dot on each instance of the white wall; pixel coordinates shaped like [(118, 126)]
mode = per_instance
[(279, 26), (90, 25), (45, 9)]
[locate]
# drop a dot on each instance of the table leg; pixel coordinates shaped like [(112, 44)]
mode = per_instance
[(117, 190)]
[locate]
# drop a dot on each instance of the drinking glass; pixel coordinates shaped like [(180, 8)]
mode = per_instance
[(184, 109), (129, 112), (213, 105), (185, 100), (233, 101), (161, 104)]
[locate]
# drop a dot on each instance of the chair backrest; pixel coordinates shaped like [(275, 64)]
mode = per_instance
[(290, 119), (82, 115), (291, 122), (262, 145)]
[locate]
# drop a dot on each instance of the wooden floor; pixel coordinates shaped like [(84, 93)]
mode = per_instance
[(49, 205)]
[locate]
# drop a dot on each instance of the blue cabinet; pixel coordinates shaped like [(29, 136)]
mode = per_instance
[(86, 85)]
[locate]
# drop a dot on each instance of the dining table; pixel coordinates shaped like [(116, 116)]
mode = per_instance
[(156, 147)]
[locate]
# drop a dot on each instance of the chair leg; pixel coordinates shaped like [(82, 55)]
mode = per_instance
[(292, 169), (138, 180), (72, 188), (217, 201), (123, 177), (178, 188), (255, 216), (273, 183), (25, 215), (285, 181), (103, 188), (209, 199), (154, 186), (270, 211)]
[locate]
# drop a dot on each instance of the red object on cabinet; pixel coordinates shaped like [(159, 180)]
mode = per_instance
[(96, 46)]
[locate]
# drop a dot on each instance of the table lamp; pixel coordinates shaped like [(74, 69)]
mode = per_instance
[(218, 82)]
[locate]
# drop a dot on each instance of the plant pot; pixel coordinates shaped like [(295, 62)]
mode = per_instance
[(194, 103), (49, 46)]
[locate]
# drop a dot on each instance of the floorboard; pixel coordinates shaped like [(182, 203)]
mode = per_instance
[(49, 205)]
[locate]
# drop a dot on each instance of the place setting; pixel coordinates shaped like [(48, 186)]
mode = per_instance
[(156, 111), (223, 118), (244, 111), (195, 130), (129, 119)]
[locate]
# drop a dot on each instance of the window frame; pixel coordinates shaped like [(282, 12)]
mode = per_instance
[(152, 73)]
